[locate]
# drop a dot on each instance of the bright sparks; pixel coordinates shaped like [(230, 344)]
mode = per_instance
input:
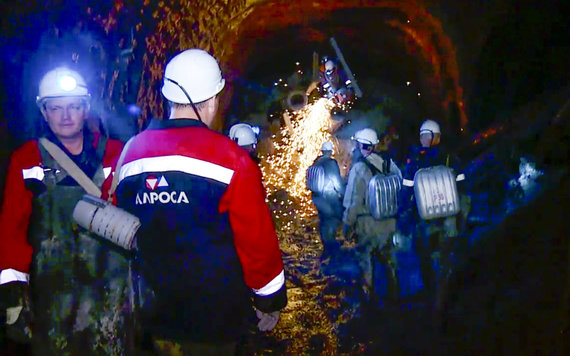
[(296, 147)]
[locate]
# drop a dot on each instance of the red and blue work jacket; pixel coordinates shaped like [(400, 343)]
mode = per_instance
[(207, 245)]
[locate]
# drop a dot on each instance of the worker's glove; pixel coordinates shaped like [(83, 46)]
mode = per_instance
[(267, 321), (15, 312)]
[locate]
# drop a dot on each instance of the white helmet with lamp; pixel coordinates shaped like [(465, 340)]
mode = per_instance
[(61, 82)]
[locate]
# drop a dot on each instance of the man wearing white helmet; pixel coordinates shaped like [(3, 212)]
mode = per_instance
[(433, 237), (245, 136), (207, 245), (334, 83), (373, 234), (327, 197), (77, 284)]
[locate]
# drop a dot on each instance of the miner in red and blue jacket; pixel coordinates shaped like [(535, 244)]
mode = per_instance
[(207, 249), (75, 283)]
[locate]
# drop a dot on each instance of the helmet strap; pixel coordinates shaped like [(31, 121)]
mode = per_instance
[(188, 96)]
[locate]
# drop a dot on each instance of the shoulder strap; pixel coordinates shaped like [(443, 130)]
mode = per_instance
[(370, 166), (70, 166), (386, 164), (115, 181)]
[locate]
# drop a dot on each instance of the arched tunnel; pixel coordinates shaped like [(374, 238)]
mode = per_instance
[(396, 51), (493, 73)]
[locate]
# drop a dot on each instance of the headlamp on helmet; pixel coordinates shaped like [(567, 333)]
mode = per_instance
[(67, 83)]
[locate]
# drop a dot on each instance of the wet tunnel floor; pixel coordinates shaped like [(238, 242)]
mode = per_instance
[(505, 298), (327, 313)]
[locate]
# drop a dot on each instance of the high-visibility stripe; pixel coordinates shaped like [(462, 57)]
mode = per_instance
[(460, 177), (407, 182), (11, 275), (35, 172), (272, 286), (106, 171), (177, 163)]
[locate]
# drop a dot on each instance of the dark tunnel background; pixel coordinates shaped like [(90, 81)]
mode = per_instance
[(523, 58), (375, 53), (511, 290)]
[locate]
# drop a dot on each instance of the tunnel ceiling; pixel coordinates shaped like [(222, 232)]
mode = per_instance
[(370, 47)]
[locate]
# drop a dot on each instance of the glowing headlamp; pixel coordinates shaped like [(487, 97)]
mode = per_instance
[(67, 83), (255, 130)]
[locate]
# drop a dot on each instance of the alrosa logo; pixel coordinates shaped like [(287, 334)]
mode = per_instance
[(152, 197), (162, 197)]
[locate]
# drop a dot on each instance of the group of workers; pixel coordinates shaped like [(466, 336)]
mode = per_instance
[(382, 207), (205, 266), (206, 261)]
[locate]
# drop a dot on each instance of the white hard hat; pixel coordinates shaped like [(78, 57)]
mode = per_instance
[(327, 146), (197, 72), (430, 126), (60, 82), (243, 134), (329, 65), (366, 136)]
